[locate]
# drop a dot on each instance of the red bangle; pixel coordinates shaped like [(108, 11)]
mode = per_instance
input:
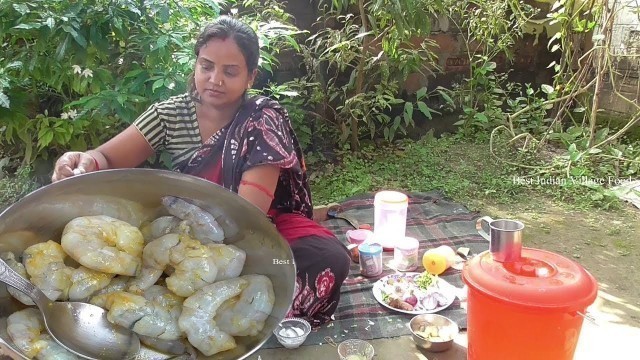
[(257, 186), (95, 162)]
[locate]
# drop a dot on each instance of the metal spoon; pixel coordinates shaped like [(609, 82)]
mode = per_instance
[(79, 327)]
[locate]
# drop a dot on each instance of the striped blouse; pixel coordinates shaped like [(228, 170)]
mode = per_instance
[(172, 125)]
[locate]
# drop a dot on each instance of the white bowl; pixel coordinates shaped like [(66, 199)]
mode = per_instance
[(286, 337)]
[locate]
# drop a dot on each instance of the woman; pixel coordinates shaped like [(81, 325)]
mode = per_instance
[(246, 145)]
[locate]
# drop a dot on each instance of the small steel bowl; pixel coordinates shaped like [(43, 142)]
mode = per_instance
[(445, 326)]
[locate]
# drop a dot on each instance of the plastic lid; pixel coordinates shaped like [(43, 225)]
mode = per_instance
[(408, 243), (540, 279), (358, 236), (370, 248), (394, 197)]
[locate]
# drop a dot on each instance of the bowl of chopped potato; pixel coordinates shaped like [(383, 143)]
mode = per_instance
[(433, 332)]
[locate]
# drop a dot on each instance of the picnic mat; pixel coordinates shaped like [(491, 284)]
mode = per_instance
[(434, 221)]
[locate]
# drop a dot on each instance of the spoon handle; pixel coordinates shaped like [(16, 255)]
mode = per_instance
[(13, 279)]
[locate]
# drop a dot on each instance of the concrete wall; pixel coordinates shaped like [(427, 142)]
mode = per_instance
[(625, 43)]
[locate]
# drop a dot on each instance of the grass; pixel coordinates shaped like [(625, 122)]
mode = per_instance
[(462, 168)]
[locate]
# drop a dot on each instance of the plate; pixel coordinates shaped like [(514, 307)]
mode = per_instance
[(446, 288)]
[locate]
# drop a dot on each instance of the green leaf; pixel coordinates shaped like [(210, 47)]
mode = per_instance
[(4, 100), (162, 41), (424, 109), (547, 89), (157, 84), (421, 92), (594, 151), (408, 113), (482, 117), (51, 22), (23, 9), (28, 26), (445, 96)]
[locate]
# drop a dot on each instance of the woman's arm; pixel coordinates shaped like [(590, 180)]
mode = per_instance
[(126, 150), (258, 185)]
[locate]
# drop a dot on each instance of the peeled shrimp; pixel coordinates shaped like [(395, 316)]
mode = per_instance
[(193, 265), (17, 266), (119, 208), (104, 244), (26, 330), (44, 262), (199, 310), (174, 347), (246, 315), (159, 227), (204, 225), (119, 283), (155, 314), (85, 282), (229, 259)]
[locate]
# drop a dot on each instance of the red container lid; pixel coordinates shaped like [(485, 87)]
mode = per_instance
[(541, 279)]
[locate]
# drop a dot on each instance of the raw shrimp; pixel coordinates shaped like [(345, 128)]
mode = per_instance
[(159, 227), (17, 266), (155, 258), (246, 315), (119, 283), (85, 282), (204, 225), (104, 244), (173, 347), (199, 310), (26, 330), (68, 206), (229, 259), (193, 265), (44, 263), (155, 314)]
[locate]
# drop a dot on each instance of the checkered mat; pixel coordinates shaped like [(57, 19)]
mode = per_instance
[(431, 219)]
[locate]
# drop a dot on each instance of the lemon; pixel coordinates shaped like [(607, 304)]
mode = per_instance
[(434, 262)]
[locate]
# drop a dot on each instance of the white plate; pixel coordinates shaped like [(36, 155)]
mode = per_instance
[(447, 289)]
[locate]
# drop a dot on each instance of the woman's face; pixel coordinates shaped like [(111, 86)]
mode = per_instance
[(221, 75)]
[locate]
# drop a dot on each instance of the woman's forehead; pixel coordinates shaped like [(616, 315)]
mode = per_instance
[(225, 50)]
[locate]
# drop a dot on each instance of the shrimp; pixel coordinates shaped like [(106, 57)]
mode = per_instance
[(105, 244), (193, 265), (66, 206), (17, 266), (161, 226), (155, 258), (155, 314), (246, 315), (85, 282), (44, 262), (26, 330), (119, 283), (199, 310), (204, 225), (173, 347), (229, 259)]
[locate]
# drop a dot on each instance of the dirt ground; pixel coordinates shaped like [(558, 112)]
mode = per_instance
[(606, 243)]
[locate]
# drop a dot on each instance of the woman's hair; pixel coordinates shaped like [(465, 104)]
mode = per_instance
[(226, 27)]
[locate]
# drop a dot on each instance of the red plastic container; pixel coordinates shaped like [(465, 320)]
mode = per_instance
[(529, 309)]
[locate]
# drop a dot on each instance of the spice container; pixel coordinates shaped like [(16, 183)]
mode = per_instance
[(405, 254), (370, 259), (357, 237)]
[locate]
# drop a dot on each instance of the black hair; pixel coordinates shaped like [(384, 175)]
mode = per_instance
[(226, 27)]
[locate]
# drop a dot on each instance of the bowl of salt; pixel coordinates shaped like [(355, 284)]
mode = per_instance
[(292, 332)]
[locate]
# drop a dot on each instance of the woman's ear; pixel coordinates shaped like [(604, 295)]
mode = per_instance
[(252, 78)]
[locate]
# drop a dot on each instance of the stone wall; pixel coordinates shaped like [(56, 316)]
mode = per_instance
[(625, 46)]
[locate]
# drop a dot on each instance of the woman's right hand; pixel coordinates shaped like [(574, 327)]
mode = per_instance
[(73, 163)]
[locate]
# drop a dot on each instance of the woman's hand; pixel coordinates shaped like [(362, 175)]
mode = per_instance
[(73, 163)]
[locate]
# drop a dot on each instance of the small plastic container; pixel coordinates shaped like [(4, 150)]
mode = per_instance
[(405, 254), (370, 259), (357, 237), (355, 349), (292, 332), (390, 218)]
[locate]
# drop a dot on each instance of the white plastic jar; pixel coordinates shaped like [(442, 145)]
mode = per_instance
[(405, 255), (390, 218)]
